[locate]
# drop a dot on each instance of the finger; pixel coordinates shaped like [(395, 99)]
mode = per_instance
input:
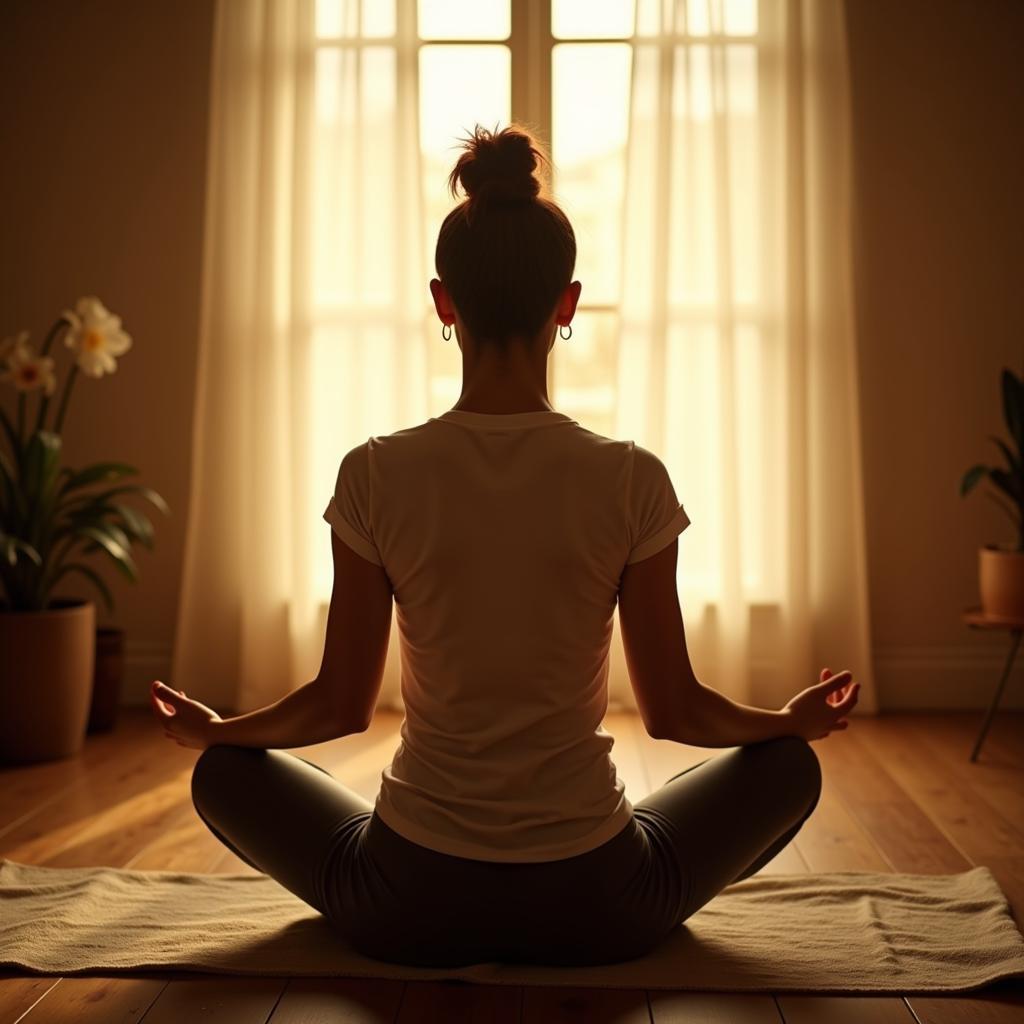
[(824, 674), (836, 681), (159, 709), (850, 698), (166, 694)]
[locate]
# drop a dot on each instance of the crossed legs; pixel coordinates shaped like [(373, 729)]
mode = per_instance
[(275, 810), (731, 814)]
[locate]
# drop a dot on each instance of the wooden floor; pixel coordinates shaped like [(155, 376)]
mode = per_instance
[(899, 795)]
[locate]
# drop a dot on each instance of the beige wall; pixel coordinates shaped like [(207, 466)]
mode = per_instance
[(103, 124), (938, 105), (103, 128)]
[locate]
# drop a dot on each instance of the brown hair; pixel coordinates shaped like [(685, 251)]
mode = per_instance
[(507, 251)]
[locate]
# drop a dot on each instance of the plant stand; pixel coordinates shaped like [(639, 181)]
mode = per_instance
[(977, 619)]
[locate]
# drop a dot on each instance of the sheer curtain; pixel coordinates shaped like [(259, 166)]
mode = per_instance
[(737, 361), (311, 327)]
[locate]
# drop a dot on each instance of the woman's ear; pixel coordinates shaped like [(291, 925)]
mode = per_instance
[(442, 302), (567, 303)]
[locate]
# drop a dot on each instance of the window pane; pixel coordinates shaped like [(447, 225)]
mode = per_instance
[(583, 369), (464, 19), (741, 17), (590, 108), (734, 17), (342, 18), (460, 86), (354, 167), (592, 19)]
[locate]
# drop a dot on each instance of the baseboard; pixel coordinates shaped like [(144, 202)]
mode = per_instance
[(947, 678), (143, 662), (908, 678)]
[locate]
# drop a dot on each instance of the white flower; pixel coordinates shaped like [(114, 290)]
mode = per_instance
[(96, 335), (12, 344), (27, 372)]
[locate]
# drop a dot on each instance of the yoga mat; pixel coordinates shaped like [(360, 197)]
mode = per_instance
[(839, 932)]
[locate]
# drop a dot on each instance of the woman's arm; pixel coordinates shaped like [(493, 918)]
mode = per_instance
[(299, 719), (711, 719)]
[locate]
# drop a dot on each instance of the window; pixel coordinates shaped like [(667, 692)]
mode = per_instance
[(566, 69)]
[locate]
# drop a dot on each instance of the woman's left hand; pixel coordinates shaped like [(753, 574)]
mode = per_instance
[(183, 719)]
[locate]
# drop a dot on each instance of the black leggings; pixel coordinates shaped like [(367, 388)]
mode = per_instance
[(715, 823)]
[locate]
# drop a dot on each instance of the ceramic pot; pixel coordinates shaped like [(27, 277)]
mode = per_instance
[(46, 671), (107, 679), (1001, 581)]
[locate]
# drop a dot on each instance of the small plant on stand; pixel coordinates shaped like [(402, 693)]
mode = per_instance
[(1001, 566)]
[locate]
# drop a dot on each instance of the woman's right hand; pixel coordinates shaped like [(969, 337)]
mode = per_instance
[(820, 709)]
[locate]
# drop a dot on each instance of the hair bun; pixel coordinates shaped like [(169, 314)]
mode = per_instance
[(498, 166)]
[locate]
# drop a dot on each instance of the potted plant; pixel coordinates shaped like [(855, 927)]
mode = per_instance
[(1001, 566), (52, 519)]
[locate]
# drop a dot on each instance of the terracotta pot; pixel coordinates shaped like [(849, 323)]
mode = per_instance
[(46, 669), (1001, 581), (107, 678)]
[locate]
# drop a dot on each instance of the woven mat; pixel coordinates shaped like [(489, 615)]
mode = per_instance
[(840, 932)]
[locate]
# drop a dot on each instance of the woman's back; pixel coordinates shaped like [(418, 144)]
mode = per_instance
[(504, 537)]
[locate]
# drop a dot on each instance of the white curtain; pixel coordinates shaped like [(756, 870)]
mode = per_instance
[(737, 361), (736, 357), (312, 327)]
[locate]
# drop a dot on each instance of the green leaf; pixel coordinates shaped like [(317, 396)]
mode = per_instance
[(96, 473), (112, 545), (10, 547), (136, 524), (971, 477), (146, 492), (1010, 484), (10, 488), (1013, 406), (92, 575), (12, 436), (1011, 459)]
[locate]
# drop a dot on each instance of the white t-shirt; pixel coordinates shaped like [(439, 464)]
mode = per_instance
[(504, 537)]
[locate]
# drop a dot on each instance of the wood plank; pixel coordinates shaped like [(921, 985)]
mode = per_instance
[(629, 734), (832, 840), (1000, 1005), (339, 1000), (219, 1000), (668, 1007), (974, 828), (59, 826), (665, 758), (902, 833), (576, 1005), (20, 992), (96, 1001), (427, 1002), (810, 1009), (25, 788)]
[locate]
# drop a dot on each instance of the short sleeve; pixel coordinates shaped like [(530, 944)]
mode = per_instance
[(655, 516), (348, 511)]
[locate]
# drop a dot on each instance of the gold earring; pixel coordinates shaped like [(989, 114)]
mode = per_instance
[(446, 332), (565, 337)]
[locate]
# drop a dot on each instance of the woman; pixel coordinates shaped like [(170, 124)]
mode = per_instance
[(506, 533)]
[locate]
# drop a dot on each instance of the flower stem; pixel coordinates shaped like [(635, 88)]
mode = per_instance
[(21, 416), (44, 402), (64, 398)]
